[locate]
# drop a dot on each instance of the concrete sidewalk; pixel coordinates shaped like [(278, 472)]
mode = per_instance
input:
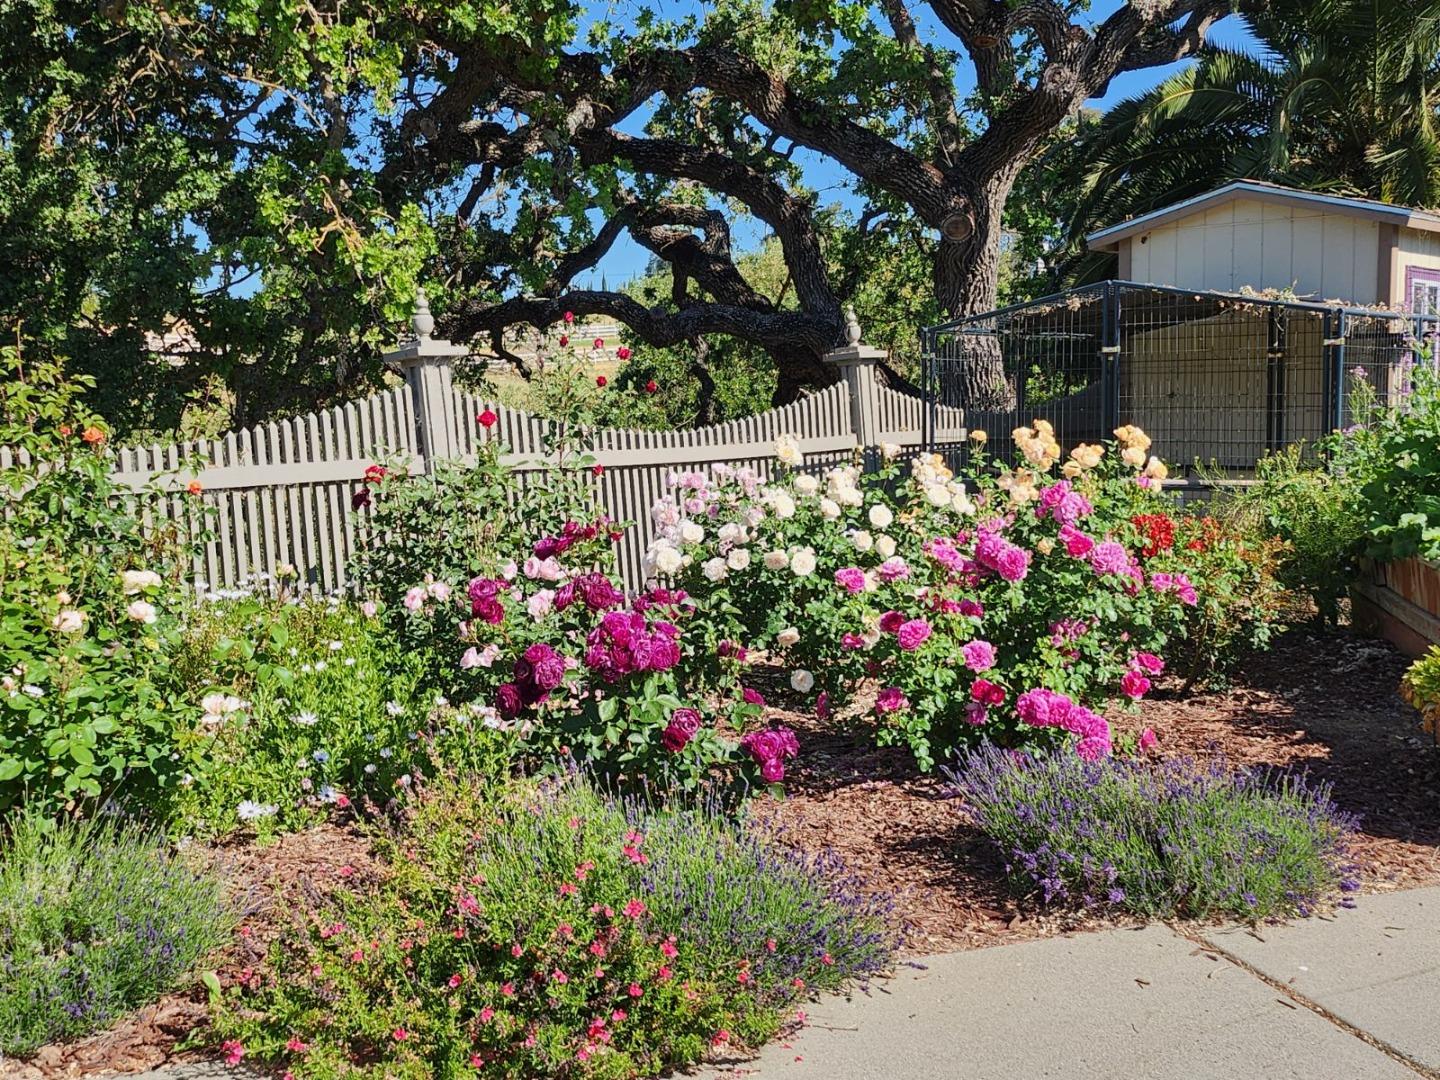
[(1354, 996)]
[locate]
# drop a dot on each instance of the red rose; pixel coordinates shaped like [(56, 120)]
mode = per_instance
[(598, 469), (564, 340), (599, 342), (569, 316), (487, 418), (623, 353), (600, 380), (652, 386)]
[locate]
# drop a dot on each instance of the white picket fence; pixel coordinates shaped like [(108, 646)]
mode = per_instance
[(281, 491)]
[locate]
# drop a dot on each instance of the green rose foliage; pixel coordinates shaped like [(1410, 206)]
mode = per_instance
[(89, 603)]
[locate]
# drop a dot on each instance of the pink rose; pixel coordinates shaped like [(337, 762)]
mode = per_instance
[(979, 655), (913, 634)]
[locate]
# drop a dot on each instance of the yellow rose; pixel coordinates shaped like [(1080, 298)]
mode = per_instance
[(1134, 456), (1045, 545), (979, 436), (1155, 469)]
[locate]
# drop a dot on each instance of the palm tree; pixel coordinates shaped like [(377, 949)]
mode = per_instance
[(1337, 95)]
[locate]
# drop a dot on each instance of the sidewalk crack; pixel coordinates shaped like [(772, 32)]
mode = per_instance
[(1300, 999)]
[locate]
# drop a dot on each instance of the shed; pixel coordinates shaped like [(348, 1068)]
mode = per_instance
[(1251, 234)]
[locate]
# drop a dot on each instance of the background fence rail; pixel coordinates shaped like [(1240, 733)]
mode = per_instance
[(280, 492)]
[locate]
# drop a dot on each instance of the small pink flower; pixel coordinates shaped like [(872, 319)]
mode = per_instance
[(399, 1034), (487, 1014), (1148, 739), (633, 909), (516, 950), (296, 1045), (507, 989), (634, 990), (454, 981), (233, 1050), (668, 950), (559, 976)]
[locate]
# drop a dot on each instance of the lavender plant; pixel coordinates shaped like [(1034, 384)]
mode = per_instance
[(1158, 838), (95, 920), (547, 929)]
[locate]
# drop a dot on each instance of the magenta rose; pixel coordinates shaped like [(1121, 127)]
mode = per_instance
[(913, 634), (891, 699), (979, 655)]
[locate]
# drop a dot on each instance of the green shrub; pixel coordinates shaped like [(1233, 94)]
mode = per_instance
[(302, 706), (88, 602), (543, 930), (1317, 511), (1164, 838), (96, 919)]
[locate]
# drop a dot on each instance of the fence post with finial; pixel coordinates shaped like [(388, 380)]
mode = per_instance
[(856, 363), (427, 364)]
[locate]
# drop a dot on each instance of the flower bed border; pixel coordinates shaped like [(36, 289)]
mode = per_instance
[(1400, 602)]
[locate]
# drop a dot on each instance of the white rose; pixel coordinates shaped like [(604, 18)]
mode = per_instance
[(863, 541), (885, 545), (714, 569), (938, 494), (666, 559), (787, 637), (787, 449), (69, 621), (829, 509), (802, 681), (880, 516), (851, 496), (213, 705), (782, 504), (806, 484), (691, 532), (135, 580), (738, 559), (776, 560), (141, 612), (802, 563), (890, 450), (732, 532)]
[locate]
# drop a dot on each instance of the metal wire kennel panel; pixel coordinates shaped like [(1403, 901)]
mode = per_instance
[(1215, 379)]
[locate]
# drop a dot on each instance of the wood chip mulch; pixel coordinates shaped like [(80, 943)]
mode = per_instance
[(1322, 703), (299, 867)]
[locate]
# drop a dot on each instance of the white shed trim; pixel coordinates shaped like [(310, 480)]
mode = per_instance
[(1108, 239)]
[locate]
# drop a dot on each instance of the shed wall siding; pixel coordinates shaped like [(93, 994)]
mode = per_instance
[(1415, 249), (1263, 245)]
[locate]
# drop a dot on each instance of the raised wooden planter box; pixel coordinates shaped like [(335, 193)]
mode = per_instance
[(1399, 601)]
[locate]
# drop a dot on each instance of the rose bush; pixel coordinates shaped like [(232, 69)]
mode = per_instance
[(1009, 604), (532, 633), (89, 596)]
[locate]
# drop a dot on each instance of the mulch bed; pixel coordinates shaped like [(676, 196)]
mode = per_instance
[(301, 868), (1322, 703)]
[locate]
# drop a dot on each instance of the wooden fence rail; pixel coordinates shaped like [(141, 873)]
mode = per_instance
[(281, 491)]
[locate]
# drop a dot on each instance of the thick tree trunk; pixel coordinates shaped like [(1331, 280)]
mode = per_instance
[(971, 365)]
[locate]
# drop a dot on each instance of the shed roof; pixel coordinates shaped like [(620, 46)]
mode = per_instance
[(1108, 238)]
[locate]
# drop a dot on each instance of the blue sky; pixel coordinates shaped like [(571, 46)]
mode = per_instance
[(628, 259)]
